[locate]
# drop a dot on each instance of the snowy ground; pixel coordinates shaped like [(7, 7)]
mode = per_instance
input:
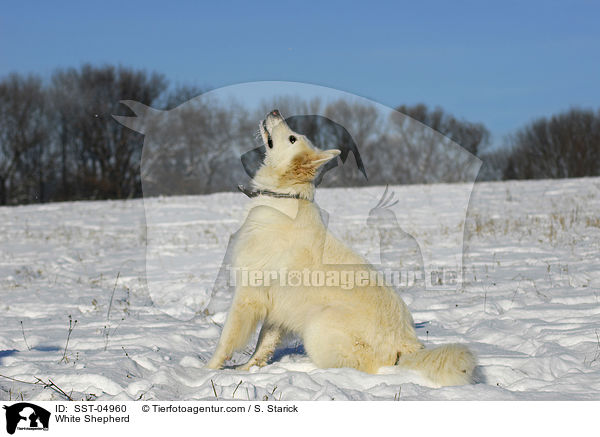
[(529, 306)]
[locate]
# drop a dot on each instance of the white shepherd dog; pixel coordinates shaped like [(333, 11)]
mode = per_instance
[(365, 327)]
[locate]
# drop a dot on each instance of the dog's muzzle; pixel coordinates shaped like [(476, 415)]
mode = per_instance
[(268, 121), (269, 139), (273, 117)]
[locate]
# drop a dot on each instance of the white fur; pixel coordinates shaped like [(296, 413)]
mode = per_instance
[(365, 328)]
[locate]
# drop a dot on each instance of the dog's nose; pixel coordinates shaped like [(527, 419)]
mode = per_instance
[(276, 113)]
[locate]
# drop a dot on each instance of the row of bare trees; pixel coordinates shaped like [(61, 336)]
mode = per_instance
[(566, 145), (58, 140)]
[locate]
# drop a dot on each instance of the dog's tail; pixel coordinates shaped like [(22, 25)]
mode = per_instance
[(451, 364)]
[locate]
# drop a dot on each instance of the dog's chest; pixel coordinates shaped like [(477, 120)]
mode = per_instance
[(270, 237)]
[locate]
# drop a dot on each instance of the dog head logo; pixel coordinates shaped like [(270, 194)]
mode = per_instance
[(196, 148), (26, 416)]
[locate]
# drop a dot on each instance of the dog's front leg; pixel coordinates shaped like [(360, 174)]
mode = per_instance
[(246, 311), (268, 340)]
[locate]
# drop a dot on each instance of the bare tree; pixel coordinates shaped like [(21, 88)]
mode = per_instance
[(100, 159), (495, 164), (474, 137), (424, 154), (194, 148), (566, 145), (23, 139), (179, 95)]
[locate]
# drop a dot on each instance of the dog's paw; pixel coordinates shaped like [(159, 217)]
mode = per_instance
[(244, 367), (213, 364), (250, 364)]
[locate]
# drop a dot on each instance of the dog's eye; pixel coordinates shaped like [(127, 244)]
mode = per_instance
[(292, 139)]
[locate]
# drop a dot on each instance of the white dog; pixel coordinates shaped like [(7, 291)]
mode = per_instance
[(364, 327)]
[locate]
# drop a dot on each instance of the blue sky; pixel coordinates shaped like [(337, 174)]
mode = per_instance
[(501, 63)]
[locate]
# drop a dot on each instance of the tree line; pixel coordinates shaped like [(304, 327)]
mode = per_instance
[(59, 141)]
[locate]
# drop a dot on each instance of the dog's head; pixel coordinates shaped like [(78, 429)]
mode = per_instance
[(291, 159)]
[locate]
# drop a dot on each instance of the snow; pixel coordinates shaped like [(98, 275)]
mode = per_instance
[(529, 306)]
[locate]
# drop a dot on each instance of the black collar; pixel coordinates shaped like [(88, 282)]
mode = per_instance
[(254, 193)]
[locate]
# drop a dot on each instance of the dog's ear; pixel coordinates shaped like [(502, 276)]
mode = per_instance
[(317, 159), (304, 167)]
